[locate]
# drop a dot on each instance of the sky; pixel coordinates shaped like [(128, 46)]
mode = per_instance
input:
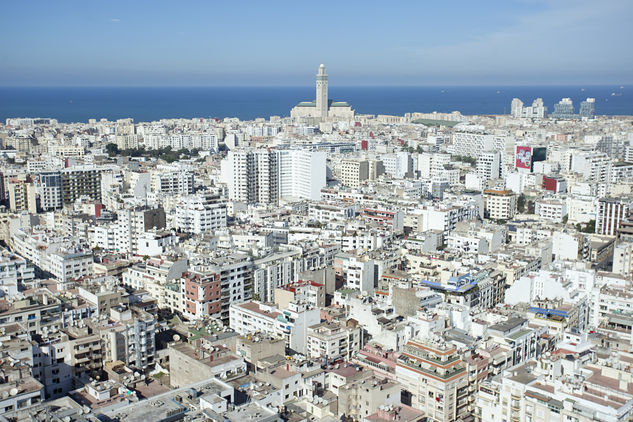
[(281, 43)]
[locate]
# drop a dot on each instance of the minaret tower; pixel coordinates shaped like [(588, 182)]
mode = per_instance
[(321, 93)]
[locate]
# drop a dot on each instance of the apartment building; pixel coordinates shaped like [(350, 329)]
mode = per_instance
[(354, 172), (500, 204), (434, 379), (173, 182), (333, 340), (551, 209), (291, 323), (81, 181), (50, 190), (201, 213), (610, 213)]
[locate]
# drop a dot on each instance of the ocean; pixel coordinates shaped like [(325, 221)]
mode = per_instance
[(78, 104)]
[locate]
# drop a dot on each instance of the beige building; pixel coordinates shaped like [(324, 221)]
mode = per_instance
[(255, 348), (189, 364), (22, 196), (500, 204), (305, 291), (363, 397), (354, 172), (333, 340), (434, 379)]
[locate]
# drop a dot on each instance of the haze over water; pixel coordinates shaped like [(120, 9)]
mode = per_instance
[(78, 104)]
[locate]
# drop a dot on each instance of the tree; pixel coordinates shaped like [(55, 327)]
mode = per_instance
[(521, 203), (112, 150)]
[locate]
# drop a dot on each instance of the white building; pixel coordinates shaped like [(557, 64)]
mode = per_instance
[(201, 213), (179, 182), (291, 324), (489, 165), (623, 259), (536, 111), (551, 209), (302, 174)]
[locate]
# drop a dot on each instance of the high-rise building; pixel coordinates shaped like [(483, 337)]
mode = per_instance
[(609, 214), (22, 196), (489, 165), (265, 176), (434, 379), (302, 173), (588, 108), (80, 181), (564, 109), (252, 175), (354, 172), (50, 190), (536, 111)]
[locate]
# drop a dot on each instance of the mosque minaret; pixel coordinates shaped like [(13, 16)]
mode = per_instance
[(321, 92), (322, 108)]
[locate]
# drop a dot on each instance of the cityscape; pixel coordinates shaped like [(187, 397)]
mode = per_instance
[(320, 265)]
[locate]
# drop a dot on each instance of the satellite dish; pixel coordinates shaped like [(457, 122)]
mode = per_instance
[(13, 392), (176, 337)]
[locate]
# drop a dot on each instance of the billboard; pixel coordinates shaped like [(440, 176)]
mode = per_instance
[(524, 157)]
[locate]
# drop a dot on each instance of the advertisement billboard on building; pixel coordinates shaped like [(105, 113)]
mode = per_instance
[(524, 157)]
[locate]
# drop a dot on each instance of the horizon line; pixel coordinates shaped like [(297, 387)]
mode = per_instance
[(335, 86)]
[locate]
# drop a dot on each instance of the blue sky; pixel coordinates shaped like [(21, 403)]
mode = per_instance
[(191, 43)]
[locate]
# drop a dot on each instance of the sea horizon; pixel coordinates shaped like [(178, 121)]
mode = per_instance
[(150, 103)]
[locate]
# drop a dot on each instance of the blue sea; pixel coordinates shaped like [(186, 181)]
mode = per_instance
[(78, 104)]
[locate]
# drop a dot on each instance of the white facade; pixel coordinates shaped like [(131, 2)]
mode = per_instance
[(489, 165), (201, 213), (551, 209), (290, 324), (302, 174)]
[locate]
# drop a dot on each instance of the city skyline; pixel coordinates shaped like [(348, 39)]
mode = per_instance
[(201, 44)]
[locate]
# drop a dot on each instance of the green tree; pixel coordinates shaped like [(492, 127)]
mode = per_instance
[(521, 203), (112, 150)]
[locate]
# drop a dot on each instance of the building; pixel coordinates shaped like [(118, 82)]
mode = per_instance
[(302, 174), (291, 323), (322, 108), (354, 272), (128, 336), (81, 181), (609, 214), (536, 111), (50, 190), (22, 196), (201, 213), (434, 379), (354, 172), (564, 109), (332, 341), (252, 175), (489, 165), (500, 204), (551, 209), (623, 259), (176, 182), (588, 109)]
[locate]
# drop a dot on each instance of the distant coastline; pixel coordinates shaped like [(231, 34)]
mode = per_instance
[(78, 104)]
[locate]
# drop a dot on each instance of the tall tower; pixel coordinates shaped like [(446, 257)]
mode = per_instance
[(321, 93)]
